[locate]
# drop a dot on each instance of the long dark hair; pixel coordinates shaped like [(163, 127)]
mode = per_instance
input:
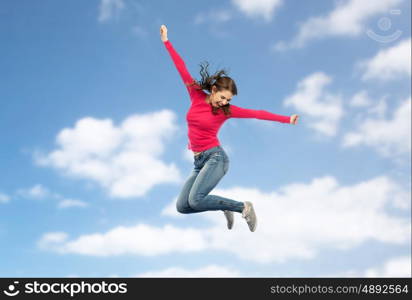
[(220, 80)]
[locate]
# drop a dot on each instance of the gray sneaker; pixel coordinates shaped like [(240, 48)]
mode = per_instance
[(229, 218), (249, 214)]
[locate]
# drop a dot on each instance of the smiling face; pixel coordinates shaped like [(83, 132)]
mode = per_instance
[(219, 98)]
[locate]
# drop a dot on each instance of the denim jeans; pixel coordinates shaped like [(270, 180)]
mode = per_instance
[(209, 167)]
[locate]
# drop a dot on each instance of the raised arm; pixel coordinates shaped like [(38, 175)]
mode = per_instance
[(178, 61), (239, 112)]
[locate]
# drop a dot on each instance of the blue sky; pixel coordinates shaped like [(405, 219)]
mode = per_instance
[(94, 146)]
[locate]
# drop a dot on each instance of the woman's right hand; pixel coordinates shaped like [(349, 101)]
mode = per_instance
[(163, 33)]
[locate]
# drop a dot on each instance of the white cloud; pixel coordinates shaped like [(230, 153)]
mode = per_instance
[(214, 20), (258, 8), (52, 240), (38, 191), (295, 222), (396, 267), (4, 198), (73, 276), (347, 19), (389, 63), (66, 203), (208, 271), (188, 155), (124, 160), (379, 109), (361, 99), (368, 106), (139, 240), (139, 31), (311, 100), (171, 211), (108, 8), (214, 16), (203, 272), (388, 136), (300, 219)]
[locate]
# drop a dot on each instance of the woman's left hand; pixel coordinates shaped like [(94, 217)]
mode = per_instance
[(294, 119)]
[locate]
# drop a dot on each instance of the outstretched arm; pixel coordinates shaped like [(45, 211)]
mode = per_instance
[(178, 61), (239, 112)]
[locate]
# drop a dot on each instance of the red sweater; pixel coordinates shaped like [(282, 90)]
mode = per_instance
[(203, 125)]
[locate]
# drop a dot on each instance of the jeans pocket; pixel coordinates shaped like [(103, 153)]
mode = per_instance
[(214, 158)]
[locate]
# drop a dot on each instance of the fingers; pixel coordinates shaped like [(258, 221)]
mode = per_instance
[(294, 119), (163, 33)]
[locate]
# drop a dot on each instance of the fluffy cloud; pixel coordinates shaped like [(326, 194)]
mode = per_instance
[(214, 19), (4, 198), (124, 160), (208, 271), (217, 16), (140, 31), (108, 8), (347, 19), (388, 136), (396, 267), (361, 99), (389, 63), (367, 106), (302, 218), (170, 210), (52, 240), (295, 222), (311, 100), (66, 203), (139, 240), (39, 192), (258, 8)]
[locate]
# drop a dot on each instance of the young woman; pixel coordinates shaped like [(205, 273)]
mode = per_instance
[(207, 113)]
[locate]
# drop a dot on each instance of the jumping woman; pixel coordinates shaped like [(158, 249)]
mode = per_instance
[(207, 112)]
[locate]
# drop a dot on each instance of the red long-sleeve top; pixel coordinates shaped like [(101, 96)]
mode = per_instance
[(203, 125)]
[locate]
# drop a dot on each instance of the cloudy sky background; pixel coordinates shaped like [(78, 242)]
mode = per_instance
[(94, 146)]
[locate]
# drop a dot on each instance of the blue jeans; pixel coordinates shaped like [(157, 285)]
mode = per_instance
[(210, 166)]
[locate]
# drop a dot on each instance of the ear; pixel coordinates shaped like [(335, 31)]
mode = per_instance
[(214, 89)]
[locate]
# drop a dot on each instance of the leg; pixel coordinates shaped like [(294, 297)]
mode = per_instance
[(209, 176), (182, 204)]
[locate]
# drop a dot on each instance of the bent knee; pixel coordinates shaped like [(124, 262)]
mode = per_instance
[(181, 209)]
